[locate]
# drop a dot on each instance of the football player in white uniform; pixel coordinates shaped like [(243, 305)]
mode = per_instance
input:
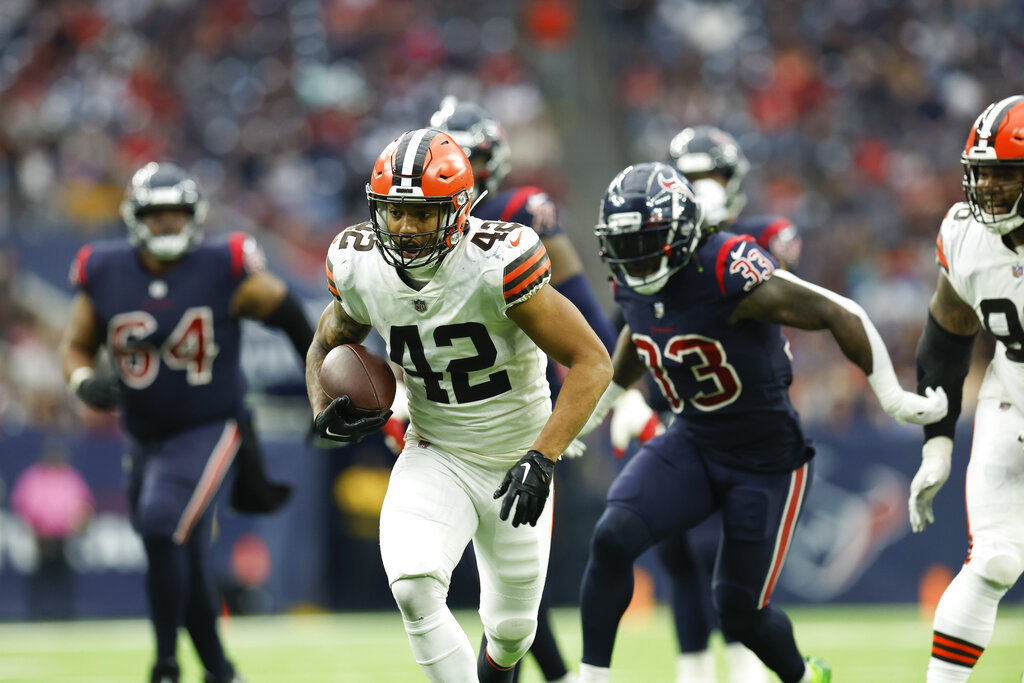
[(463, 307), (981, 255)]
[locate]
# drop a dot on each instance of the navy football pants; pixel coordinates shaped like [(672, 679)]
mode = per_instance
[(668, 487)]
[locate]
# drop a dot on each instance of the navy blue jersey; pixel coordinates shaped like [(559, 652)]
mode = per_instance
[(728, 383), (525, 205), (174, 341)]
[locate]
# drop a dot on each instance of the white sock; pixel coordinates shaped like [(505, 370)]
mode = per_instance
[(594, 674), (696, 667), (442, 648), (744, 665), (966, 611)]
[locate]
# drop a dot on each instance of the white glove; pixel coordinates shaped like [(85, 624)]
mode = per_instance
[(575, 449), (908, 406), (633, 419), (934, 470), (604, 404)]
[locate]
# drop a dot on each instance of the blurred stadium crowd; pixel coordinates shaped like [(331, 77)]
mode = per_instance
[(852, 112)]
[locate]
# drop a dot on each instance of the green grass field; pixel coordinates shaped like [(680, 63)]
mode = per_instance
[(863, 644)]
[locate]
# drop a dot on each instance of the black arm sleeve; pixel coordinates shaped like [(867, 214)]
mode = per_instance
[(291, 319), (943, 360)]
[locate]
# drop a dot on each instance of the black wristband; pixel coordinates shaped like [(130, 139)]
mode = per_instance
[(943, 360)]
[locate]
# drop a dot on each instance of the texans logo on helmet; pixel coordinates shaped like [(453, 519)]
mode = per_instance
[(671, 183)]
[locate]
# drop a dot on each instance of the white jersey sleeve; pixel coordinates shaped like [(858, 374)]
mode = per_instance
[(988, 274), (476, 382)]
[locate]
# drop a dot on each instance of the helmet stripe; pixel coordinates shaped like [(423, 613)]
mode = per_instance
[(989, 122), (411, 155)]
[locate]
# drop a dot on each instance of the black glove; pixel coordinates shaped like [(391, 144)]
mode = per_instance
[(101, 393), (333, 423), (530, 479)]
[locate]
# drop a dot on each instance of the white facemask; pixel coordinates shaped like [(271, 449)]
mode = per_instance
[(713, 201)]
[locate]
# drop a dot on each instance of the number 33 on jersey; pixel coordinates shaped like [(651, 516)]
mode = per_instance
[(702, 362)]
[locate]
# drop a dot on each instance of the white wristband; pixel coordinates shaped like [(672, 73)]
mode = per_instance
[(79, 375)]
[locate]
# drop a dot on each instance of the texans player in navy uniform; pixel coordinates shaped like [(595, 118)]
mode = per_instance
[(709, 333), (715, 165), (167, 304), (482, 138)]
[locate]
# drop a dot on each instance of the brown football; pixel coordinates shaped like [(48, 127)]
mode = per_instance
[(357, 372)]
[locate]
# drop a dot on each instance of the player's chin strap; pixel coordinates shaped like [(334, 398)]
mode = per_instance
[(901, 405), (478, 200)]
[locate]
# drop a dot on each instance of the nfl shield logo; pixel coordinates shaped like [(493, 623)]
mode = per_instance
[(1018, 270), (659, 310), (420, 305)]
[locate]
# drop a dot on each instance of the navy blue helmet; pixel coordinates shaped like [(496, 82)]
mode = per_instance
[(162, 185), (480, 136), (708, 152), (649, 225)]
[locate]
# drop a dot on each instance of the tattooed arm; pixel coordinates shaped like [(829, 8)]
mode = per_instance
[(336, 328), (951, 312)]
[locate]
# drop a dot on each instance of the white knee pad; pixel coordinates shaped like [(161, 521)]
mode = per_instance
[(509, 638), (419, 596), (997, 563)]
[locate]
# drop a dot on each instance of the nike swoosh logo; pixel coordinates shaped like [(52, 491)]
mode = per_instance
[(738, 252), (527, 472), (330, 433), (515, 242)]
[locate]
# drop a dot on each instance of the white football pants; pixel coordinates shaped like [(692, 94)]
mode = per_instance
[(435, 505)]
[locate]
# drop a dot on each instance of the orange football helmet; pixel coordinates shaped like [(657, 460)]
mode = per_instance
[(422, 167), (993, 162)]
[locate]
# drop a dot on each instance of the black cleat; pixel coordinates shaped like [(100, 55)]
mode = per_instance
[(166, 672), (232, 677)]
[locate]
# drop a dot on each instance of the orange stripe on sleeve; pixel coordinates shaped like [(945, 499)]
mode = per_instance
[(530, 281), (540, 253), (940, 253)]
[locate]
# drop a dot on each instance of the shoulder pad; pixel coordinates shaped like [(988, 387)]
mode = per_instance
[(354, 238), (246, 255), (532, 206), (740, 263), (952, 232), (526, 266), (78, 276)]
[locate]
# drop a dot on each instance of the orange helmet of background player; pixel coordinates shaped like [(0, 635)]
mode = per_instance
[(421, 167), (994, 153)]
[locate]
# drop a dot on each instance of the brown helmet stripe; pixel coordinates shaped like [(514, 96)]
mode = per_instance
[(411, 156), (990, 120)]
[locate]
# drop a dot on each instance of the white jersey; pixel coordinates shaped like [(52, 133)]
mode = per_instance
[(476, 382), (988, 275)]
